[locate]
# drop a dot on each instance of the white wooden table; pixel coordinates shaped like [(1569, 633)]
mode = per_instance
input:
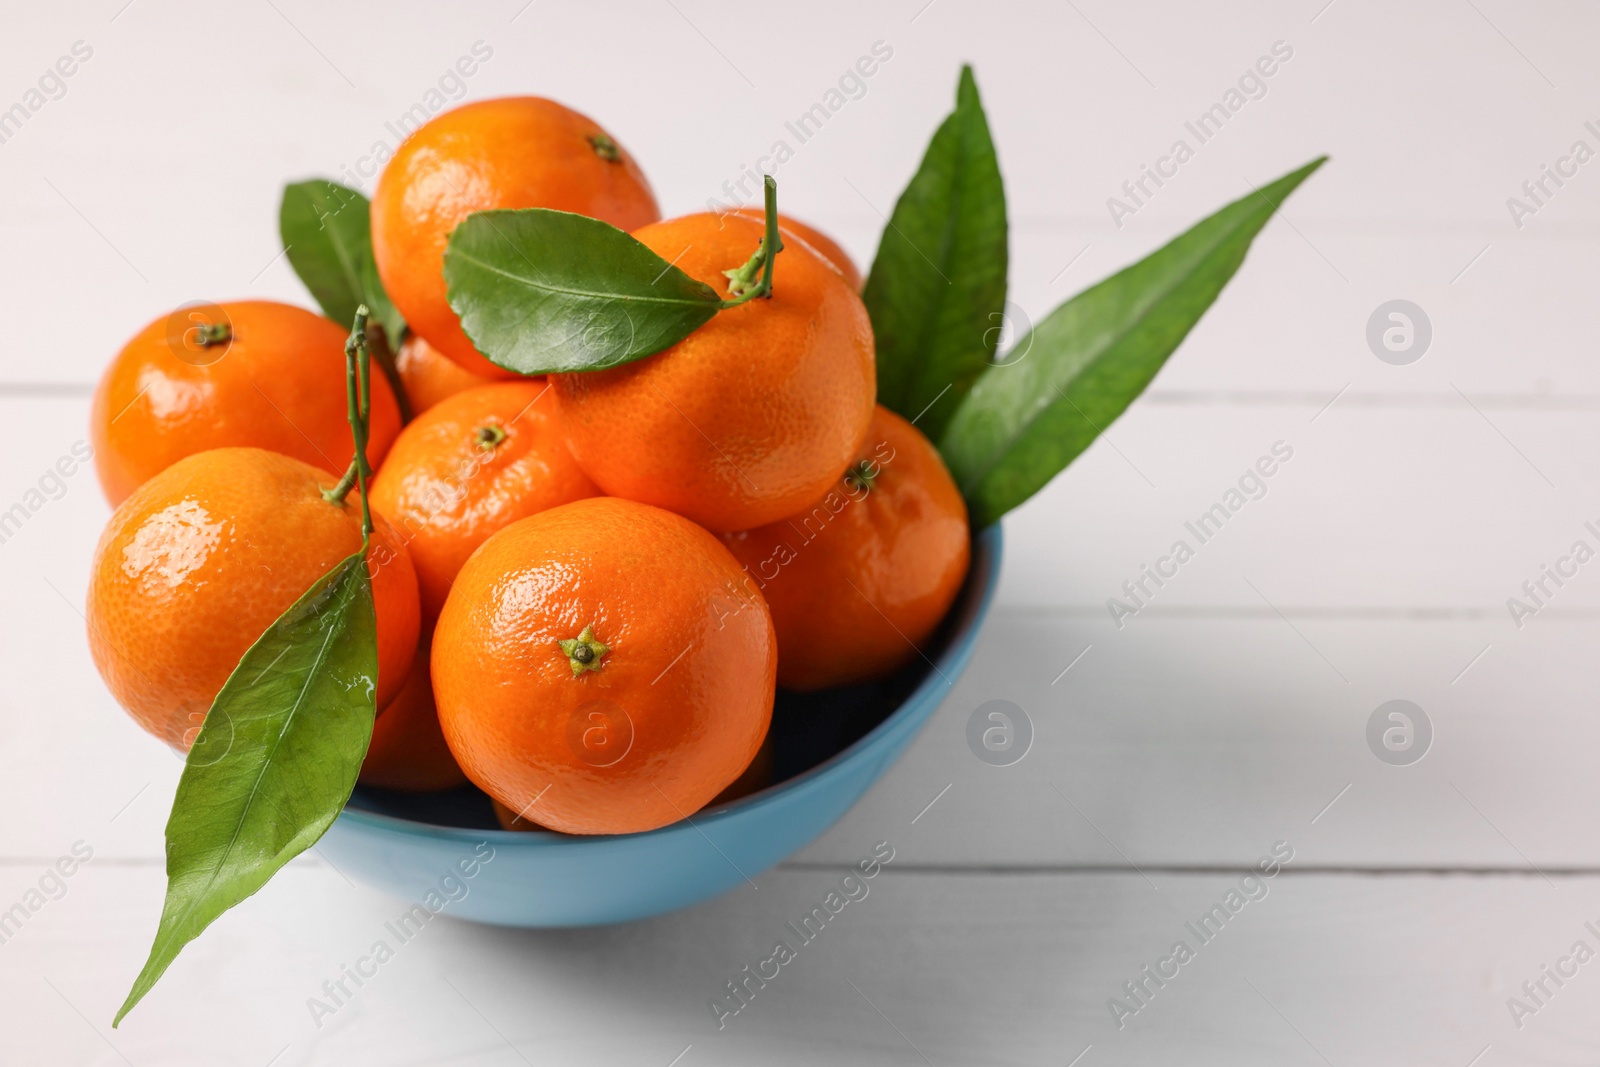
[(1169, 754)]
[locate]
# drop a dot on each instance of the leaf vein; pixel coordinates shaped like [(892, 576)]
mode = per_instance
[(548, 287)]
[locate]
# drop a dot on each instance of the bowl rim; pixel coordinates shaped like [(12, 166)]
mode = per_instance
[(973, 605)]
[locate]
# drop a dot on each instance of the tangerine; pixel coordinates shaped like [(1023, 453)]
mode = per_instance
[(513, 152), (756, 777), (469, 466), (860, 580), (429, 377), (510, 820), (408, 752), (201, 559), (249, 373), (604, 667), (753, 415)]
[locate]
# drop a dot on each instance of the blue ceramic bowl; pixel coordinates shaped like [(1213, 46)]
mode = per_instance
[(828, 749)]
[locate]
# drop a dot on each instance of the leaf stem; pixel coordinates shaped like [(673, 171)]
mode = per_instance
[(764, 261), (358, 398)]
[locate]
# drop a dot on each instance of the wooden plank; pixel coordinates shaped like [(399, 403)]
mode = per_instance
[(1359, 235), (1440, 500), (1190, 739), (927, 967), (1179, 740), (1447, 506)]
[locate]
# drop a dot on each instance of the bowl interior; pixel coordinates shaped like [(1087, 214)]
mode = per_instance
[(808, 729)]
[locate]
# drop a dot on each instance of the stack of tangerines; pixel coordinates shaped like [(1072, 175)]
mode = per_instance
[(587, 585)]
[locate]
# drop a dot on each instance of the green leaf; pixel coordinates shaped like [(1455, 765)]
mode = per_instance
[(1064, 383), (274, 761), (937, 290), (327, 232), (543, 291)]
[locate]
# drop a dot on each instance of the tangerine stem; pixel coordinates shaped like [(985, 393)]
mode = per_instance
[(762, 260), (358, 404), (213, 333), (363, 423)]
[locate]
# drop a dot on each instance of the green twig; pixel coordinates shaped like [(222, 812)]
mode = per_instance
[(358, 400), (740, 278)]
